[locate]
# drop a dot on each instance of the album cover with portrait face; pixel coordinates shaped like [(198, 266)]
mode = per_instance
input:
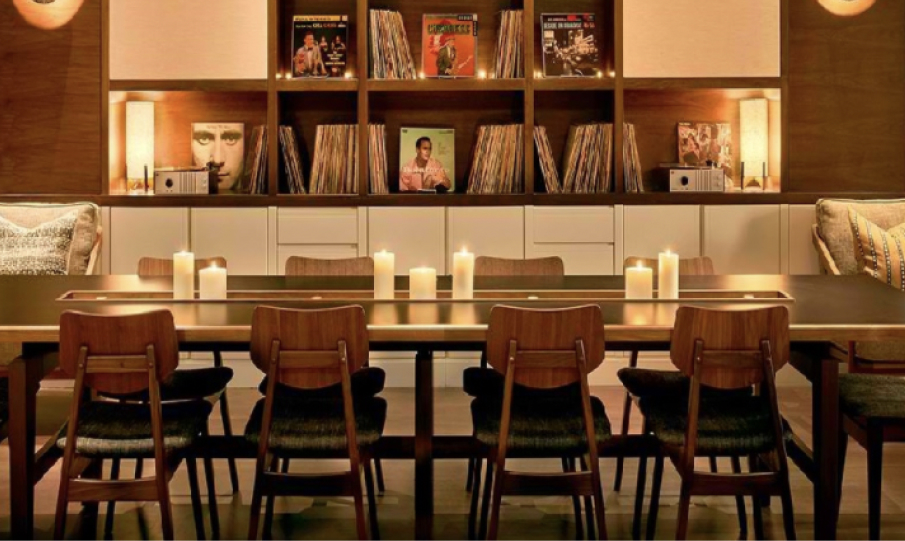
[(427, 159), (449, 45), (220, 142)]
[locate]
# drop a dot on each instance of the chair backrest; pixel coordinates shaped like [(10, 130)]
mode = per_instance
[(310, 266), (152, 266), (729, 342), (308, 343), (694, 266), (498, 266), (545, 343), (116, 348)]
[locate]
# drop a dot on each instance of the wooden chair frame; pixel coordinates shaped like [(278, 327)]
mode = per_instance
[(269, 482), (75, 487), (755, 483), (584, 483)]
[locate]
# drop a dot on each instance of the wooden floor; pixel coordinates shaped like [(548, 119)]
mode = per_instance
[(522, 518)]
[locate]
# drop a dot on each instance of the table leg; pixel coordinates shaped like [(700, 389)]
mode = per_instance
[(24, 382), (826, 448), (424, 446)]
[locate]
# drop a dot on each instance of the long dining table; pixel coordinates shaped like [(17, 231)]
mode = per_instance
[(823, 310)]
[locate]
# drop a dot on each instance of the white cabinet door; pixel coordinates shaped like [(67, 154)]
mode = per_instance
[(802, 254), (743, 239), (649, 230), (145, 232), (579, 259), (238, 234), (417, 235), (491, 231), (583, 237)]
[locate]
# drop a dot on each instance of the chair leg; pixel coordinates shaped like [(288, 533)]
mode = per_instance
[(756, 504), (254, 518), (59, 526), (639, 496), (166, 507), (485, 499), (788, 515), (684, 505), (111, 505), (475, 493), (843, 450), (626, 417), (740, 501), (568, 465), (588, 502), (874, 480), (357, 496), (227, 426), (372, 500), (655, 497), (469, 477), (271, 499), (496, 503), (378, 472), (139, 468), (714, 467), (194, 492), (212, 497)]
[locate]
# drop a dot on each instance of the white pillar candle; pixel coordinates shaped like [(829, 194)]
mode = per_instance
[(639, 282), (384, 274), (423, 283), (463, 275), (184, 275), (212, 283), (668, 276)]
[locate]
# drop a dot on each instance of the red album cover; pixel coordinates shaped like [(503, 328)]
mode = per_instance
[(449, 45)]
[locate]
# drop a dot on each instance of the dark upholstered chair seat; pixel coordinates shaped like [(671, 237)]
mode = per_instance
[(736, 427), (313, 427), (487, 382), (540, 426), (642, 382), (193, 384), (872, 396), (110, 429), (366, 383)]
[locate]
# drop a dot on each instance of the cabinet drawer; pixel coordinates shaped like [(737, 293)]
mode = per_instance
[(573, 224), (317, 226)]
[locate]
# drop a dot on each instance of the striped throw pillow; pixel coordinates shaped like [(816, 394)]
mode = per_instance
[(880, 252)]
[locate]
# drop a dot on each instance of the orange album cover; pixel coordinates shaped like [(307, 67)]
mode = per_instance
[(449, 45)]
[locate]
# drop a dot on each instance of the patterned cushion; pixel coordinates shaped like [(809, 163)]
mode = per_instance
[(191, 384), (478, 382), (835, 229), (84, 237), (41, 250), (366, 383), (739, 426), (312, 427), (880, 252), (552, 426), (872, 396), (645, 382), (113, 429)]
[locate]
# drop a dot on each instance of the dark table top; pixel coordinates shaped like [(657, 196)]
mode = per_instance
[(821, 308)]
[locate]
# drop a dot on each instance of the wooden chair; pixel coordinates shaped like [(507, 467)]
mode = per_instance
[(546, 410), (356, 266), (314, 352), (727, 350), (122, 355), (639, 382)]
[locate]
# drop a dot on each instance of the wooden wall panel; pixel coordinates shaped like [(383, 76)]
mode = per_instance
[(50, 102), (846, 99)]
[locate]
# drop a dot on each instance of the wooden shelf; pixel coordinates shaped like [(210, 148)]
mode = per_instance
[(702, 83), (446, 85), (317, 85), (574, 83), (199, 85)]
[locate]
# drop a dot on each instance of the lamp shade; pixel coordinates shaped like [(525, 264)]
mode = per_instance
[(755, 131), (139, 139)]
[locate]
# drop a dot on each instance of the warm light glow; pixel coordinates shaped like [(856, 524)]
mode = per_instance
[(612, 74), (139, 139), (421, 75), (846, 8), (348, 75), (754, 136), (48, 16), (288, 75), (482, 74), (599, 74), (640, 265), (279, 75)]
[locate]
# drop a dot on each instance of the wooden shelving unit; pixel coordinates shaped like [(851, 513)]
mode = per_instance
[(460, 103)]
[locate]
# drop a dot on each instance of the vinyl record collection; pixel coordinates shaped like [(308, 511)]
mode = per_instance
[(377, 162), (588, 159), (509, 45), (496, 166), (292, 163), (334, 169), (391, 57), (632, 162), (254, 178)]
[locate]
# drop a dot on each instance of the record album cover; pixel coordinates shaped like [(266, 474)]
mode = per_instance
[(449, 45), (571, 44), (705, 144), (427, 159), (320, 45), (221, 143)]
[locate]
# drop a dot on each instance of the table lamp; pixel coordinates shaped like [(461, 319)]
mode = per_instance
[(139, 145)]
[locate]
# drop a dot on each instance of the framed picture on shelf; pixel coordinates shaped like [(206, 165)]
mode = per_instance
[(220, 143), (705, 143), (427, 159), (449, 45), (571, 44), (320, 45)]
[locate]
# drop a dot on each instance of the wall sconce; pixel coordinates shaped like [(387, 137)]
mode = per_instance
[(755, 142), (846, 8), (139, 145)]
